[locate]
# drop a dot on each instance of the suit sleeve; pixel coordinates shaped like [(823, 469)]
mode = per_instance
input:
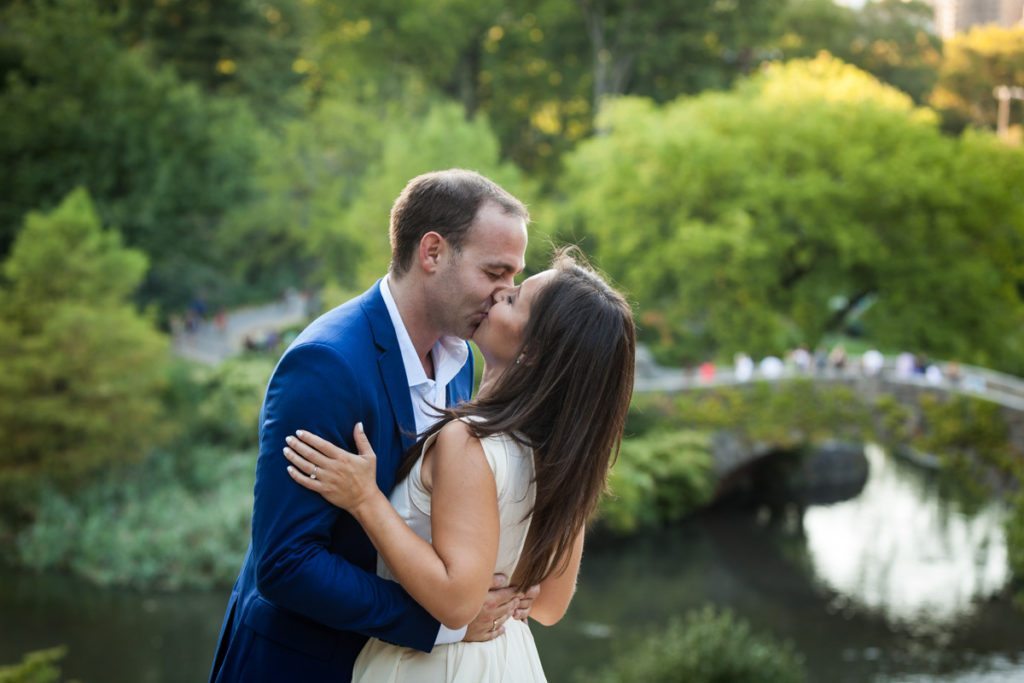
[(314, 389)]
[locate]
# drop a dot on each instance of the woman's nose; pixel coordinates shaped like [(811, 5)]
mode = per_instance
[(496, 297)]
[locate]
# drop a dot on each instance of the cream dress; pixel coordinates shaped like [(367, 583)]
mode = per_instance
[(509, 658)]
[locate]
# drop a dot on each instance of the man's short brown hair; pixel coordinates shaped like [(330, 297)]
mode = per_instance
[(445, 202)]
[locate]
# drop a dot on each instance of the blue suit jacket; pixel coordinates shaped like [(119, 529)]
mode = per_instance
[(308, 595)]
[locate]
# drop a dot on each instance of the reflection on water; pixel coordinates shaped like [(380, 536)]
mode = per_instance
[(897, 586), (902, 550)]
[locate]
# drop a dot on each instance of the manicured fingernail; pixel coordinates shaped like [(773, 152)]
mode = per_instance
[(289, 440), (299, 433), (359, 426), (291, 470)]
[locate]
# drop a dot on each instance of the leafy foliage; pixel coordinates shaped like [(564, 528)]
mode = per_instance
[(82, 388), (975, 63), (218, 405), (658, 478), (892, 40), (163, 162), (180, 518), (708, 646), (233, 47), (774, 210), (143, 527), (40, 666), (787, 415), (441, 138)]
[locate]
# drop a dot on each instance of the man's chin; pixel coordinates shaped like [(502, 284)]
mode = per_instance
[(473, 329)]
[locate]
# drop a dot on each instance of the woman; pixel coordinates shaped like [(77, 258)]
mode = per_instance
[(503, 484)]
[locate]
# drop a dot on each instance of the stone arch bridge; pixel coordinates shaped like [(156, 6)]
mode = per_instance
[(839, 465)]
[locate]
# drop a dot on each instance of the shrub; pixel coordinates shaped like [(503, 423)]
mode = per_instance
[(660, 477), (36, 667), (144, 528), (215, 411), (787, 415), (708, 647)]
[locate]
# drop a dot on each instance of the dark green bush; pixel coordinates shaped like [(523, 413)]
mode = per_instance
[(660, 477), (708, 646)]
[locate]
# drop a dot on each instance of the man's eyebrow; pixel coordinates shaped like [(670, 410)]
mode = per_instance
[(499, 266)]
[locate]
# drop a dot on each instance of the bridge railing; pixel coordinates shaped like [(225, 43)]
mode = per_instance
[(969, 380)]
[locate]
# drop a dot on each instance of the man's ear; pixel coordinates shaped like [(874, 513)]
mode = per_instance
[(432, 249)]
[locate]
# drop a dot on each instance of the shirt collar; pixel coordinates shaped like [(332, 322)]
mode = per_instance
[(450, 353)]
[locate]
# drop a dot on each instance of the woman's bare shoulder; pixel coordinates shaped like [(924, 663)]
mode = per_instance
[(454, 446), (456, 437)]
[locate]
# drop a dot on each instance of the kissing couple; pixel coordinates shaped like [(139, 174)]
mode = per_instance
[(403, 530)]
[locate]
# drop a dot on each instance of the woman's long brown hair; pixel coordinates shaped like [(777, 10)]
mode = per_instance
[(567, 400)]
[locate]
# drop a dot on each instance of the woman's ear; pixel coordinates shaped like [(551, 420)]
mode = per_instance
[(524, 357)]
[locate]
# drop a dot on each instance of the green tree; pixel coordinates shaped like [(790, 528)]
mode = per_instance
[(306, 175), (662, 50), (356, 251), (890, 39), (325, 190), (536, 68), (162, 161), (975, 63), (768, 216), (235, 47), (83, 370), (375, 47)]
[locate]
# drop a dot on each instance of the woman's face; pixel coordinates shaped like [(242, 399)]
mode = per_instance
[(500, 334)]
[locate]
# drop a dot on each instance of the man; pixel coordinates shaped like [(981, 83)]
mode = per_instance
[(308, 596)]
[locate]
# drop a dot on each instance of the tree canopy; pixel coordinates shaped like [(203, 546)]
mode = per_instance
[(768, 216), (163, 162), (81, 383), (975, 63)]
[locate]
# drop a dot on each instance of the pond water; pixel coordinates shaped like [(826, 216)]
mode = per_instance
[(900, 584)]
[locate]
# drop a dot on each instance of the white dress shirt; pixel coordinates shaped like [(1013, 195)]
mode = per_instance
[(449, 355)]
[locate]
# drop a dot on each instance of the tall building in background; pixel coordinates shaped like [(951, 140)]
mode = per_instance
[(955, 16)]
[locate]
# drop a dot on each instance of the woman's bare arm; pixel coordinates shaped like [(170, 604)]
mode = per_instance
[(557, 590), (449, 578)]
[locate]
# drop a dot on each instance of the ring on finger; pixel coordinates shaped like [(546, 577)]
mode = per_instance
[(316, 468)]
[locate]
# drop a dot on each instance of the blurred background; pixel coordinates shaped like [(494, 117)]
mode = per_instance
[(817, 209)]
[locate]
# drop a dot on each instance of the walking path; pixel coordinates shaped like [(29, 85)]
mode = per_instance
[(213, 344)]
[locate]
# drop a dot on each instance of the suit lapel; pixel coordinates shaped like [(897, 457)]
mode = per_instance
[(389, 362)]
